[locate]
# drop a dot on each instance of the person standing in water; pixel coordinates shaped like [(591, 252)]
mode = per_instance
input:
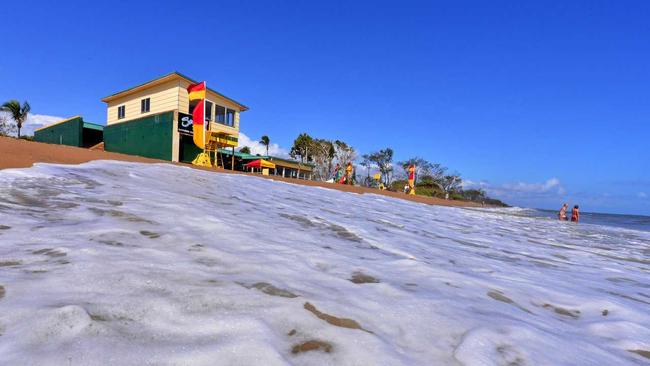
[(562, 214), (575, 214)]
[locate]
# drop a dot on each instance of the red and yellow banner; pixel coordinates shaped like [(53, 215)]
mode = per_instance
[(412, 179), (198, 128), (196, 91)]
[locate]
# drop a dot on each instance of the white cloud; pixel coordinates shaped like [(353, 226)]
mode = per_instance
[(523, 187), (471, 184), (257, 148), (550, 187), (41, 119), (34, 121), (642, 195)]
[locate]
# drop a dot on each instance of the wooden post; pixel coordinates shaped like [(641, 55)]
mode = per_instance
[(233, 159)]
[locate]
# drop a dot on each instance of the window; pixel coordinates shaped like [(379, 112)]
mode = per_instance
[(208, 110), (121, 112), (230, 117), (145, 105), (219, 114)]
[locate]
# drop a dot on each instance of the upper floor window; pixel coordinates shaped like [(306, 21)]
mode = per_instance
[(145, 105), (121, 112), (219, 114), (208, 110), (230, 117)]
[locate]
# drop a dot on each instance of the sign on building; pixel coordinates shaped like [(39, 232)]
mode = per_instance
[(185, 124)]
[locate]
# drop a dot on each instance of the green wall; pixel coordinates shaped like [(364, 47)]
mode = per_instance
[(188, 150), (66, 133), (150, 136)]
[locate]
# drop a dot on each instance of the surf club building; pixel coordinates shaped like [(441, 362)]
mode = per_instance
[(154, 120), (151, 119)]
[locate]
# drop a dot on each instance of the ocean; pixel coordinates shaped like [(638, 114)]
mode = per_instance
[(132, 264), (634, 222)]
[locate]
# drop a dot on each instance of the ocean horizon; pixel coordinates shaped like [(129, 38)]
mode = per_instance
[(626, 221)]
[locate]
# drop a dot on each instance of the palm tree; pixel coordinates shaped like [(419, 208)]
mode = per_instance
[(265, 141), (18, 113)]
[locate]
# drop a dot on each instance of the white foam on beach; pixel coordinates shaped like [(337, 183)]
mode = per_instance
[(133, 264)]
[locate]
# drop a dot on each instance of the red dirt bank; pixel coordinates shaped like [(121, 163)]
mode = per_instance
[(23, 154)]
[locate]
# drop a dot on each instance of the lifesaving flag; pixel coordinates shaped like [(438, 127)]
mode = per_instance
[(411, 171), (196, 91), (198, 117)]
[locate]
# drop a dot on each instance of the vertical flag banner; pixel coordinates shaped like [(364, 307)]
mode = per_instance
[(197, 92), (198, 116), (412, 179)]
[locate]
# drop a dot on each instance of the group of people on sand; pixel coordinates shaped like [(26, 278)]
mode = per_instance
[(342, 177), (575, 213)]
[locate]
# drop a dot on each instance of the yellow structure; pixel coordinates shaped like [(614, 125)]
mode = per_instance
[(169, 94), (203, 159)]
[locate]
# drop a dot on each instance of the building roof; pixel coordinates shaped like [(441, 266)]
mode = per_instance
[(92, 126), (294, 164), (58, 122), (171, 76)]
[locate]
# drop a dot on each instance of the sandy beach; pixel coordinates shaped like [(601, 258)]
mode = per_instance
[(23, 154)]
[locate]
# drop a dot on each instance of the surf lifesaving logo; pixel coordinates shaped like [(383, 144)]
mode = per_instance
[(185, 123)]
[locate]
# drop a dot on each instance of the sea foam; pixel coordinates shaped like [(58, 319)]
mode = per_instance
[(132, 264)]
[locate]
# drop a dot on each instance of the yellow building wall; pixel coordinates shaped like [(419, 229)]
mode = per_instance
[(168, 96), (164, 97)]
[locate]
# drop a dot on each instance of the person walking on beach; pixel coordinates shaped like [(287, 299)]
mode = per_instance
[(575, 214), (337, 170), (348, 174), (562, 214)]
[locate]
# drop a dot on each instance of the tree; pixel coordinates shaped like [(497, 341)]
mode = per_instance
[(366, 163), (245, 150), (422, 167), (265, 141), (344, 153), (384, 161), (322, 155), (451, 183), (17, 112), (5, 128), (474, 195), (301, 147), (331, 154)]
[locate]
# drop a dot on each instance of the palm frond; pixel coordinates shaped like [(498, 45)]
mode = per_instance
[(26, 108), (11, 106)]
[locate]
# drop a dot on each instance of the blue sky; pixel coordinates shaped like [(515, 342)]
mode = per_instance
[(536, 102)]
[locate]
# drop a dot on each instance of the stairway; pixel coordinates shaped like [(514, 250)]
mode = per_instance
[(99, 146)]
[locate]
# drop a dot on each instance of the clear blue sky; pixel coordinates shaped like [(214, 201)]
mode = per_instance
[(538, 102)]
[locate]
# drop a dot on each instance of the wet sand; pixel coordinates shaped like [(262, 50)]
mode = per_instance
[(23, 154)]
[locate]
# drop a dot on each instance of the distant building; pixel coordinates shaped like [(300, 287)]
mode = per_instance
[(73, 131), (283, 167)]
